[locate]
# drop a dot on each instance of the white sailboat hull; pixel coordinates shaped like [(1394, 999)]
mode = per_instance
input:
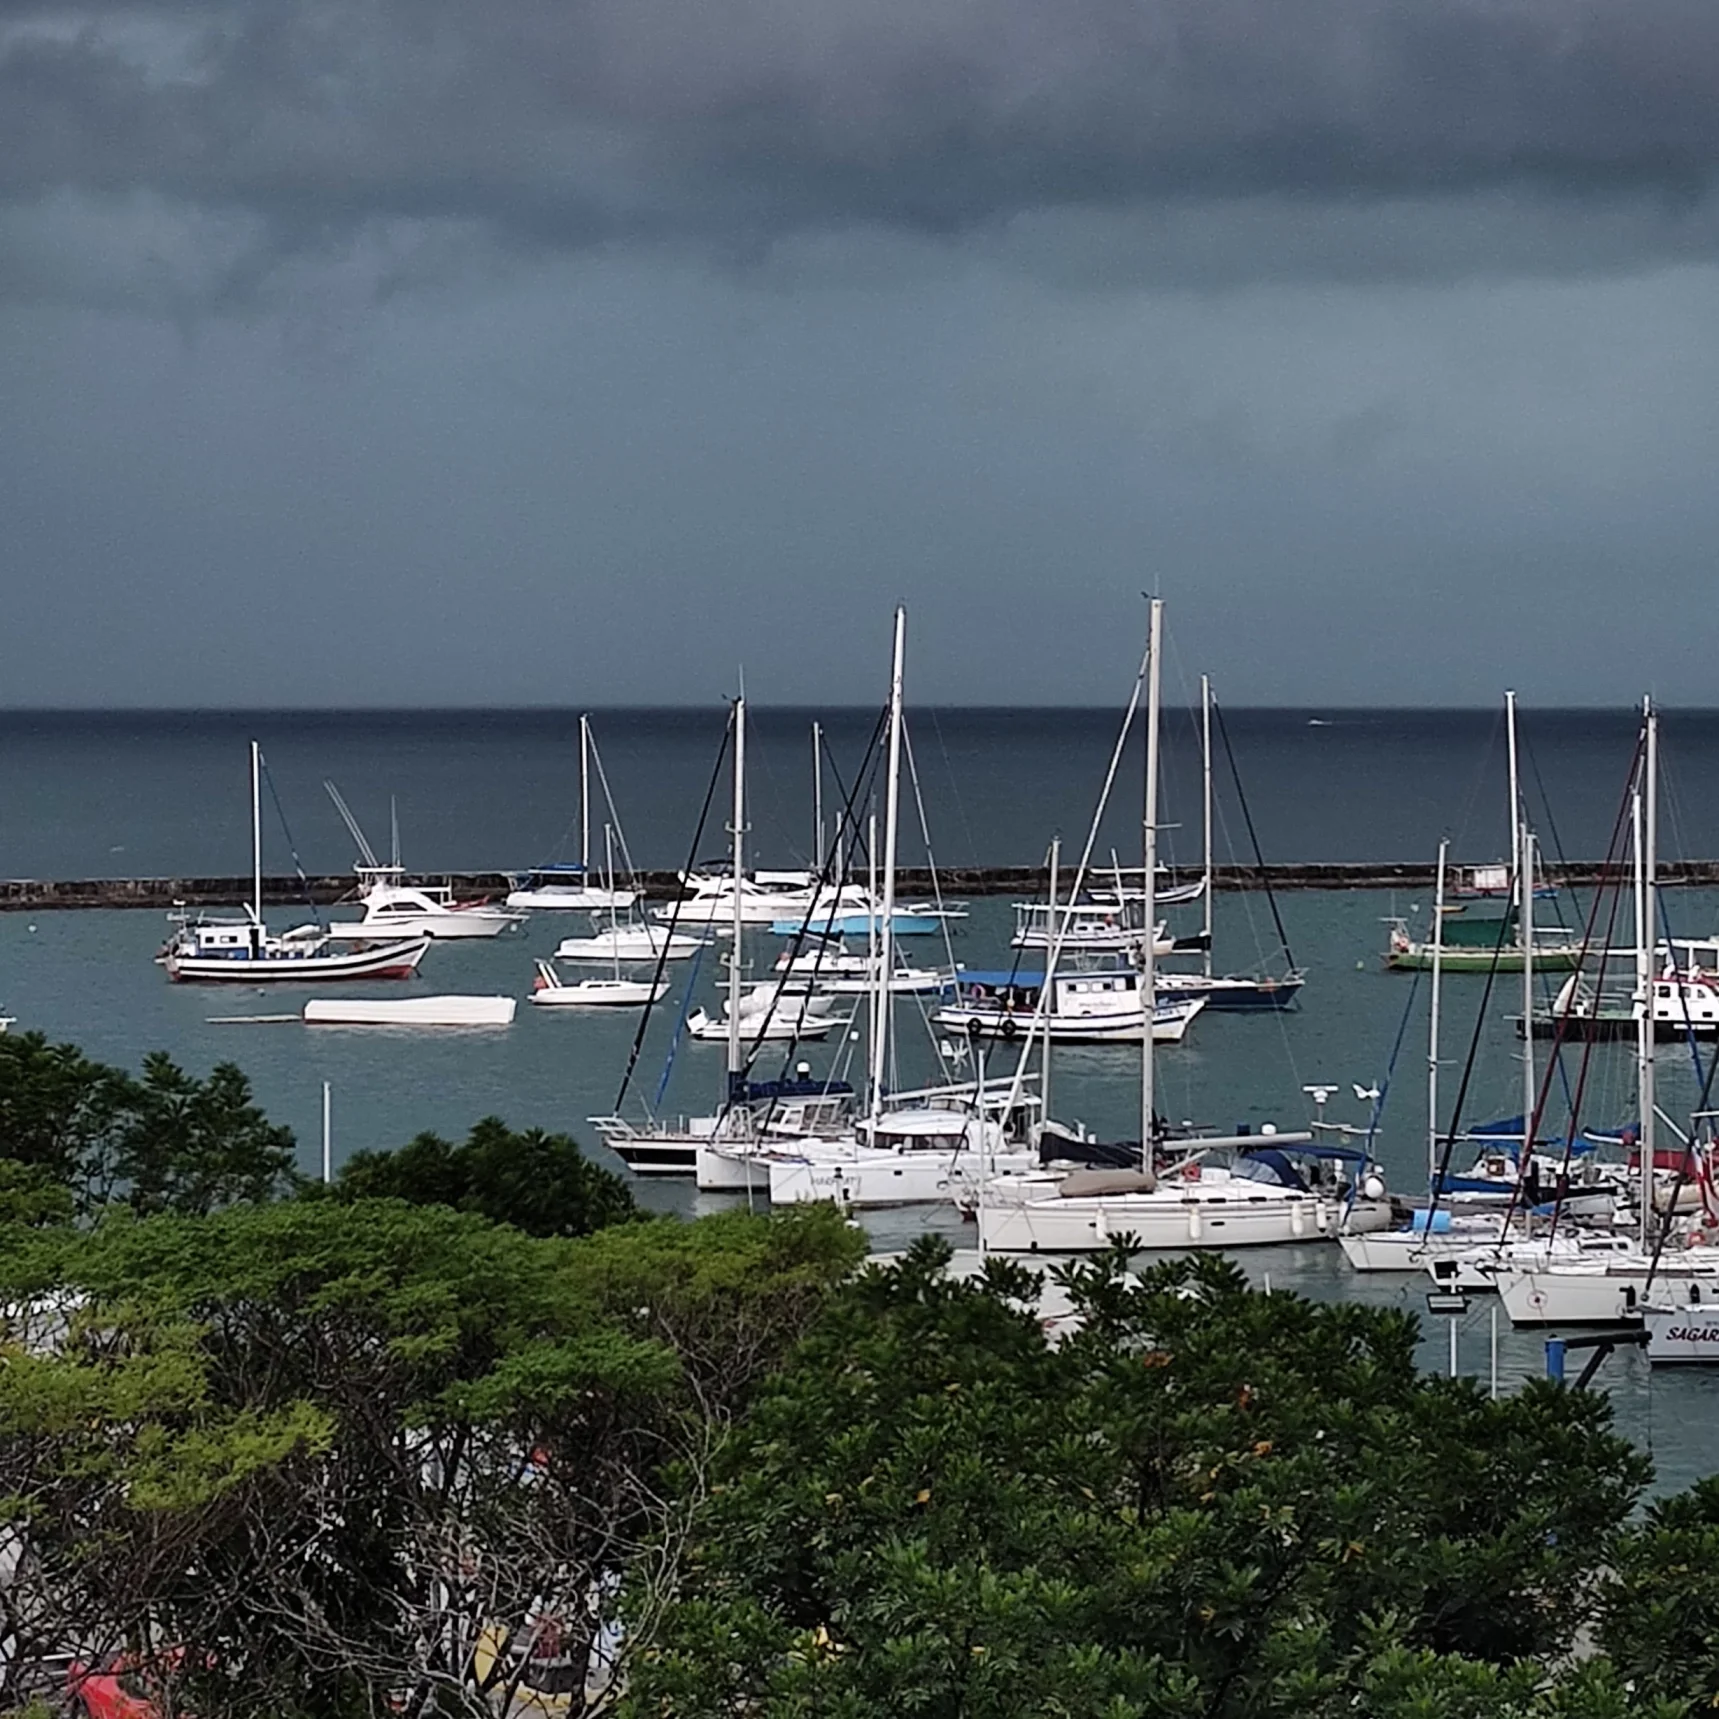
[(1609, 1294), (572, 900), (1682, 1335), (1168, 1219), (865, 1177)]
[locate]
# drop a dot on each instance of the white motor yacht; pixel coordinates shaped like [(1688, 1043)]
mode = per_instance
[(1102, 1006), (550, 991), (394, 908)]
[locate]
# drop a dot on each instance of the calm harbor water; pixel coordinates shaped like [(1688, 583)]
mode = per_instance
[(159, 795)]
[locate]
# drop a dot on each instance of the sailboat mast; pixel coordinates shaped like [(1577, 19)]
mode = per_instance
[(585, 800), (1647, 857), (1530, 1091), (891, 824), (1515, 807), (256, 833), (818, 800), (738, 816), (1206, 786), (1148, 954), (1433, 1154), (1052, 944)]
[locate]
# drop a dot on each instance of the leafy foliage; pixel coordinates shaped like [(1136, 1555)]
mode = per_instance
[(537, 1182), (75, 1134), (326, 1448), (1208, 1502)]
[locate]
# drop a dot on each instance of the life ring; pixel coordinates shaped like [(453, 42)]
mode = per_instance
[(1009, 1028)]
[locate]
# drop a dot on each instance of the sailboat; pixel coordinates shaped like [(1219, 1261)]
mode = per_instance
[(1217, 1193), (550, 990), (1491, 945), (569, 888), (1677, 1271), (243, 951)]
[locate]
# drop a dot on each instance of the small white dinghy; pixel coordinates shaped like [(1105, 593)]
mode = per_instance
[(549, 990), (409, 1012)]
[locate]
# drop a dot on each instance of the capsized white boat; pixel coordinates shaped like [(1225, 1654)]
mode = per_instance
[(447, 1011), (550, 990)]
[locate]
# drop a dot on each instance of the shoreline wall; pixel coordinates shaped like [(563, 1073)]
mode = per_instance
[(1025, 882)]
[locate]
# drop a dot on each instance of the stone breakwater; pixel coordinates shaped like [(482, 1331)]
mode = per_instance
[(39, 894)]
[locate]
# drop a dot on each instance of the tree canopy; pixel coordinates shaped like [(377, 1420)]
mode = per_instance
[(538, 1182)]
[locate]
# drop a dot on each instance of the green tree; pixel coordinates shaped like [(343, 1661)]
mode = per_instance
[(190, 1145), (368, 1457), (538, 1182), (61, 1115), (1208, 1502)]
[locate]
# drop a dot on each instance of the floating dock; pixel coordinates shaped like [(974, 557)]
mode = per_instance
[(1023, 882)]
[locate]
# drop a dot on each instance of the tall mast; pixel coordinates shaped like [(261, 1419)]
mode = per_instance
[(1529, 1089), (585, 800), (1051, 946), (1206, 783), (1647, 864), (1148, 955), (738, 826), (1515, 807), (256, 833), (891, 822), (1433, 1153), (818, 800)]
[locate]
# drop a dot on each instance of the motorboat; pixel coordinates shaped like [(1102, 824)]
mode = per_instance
[(446, 1011), (550, 990), (394, 908), (911, 919), (805, 1022), (1087, 927), (1682, 1332), (768, 898), (1099, 1006)]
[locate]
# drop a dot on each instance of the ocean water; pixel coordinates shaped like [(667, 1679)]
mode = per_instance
[(128, 795), (167, 794)]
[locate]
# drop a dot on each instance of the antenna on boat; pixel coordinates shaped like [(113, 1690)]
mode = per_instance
[(365, 851), (393, 832)]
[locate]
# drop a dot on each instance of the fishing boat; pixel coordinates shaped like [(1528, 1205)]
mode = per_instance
[(550, 991), (394, 908), (1682, 1002), (568, 888), (447, 1011), (243, 951)]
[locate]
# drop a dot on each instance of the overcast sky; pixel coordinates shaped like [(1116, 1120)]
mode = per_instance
[(584, 351)]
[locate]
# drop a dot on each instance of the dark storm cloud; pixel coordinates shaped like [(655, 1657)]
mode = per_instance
[(571, 122)]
